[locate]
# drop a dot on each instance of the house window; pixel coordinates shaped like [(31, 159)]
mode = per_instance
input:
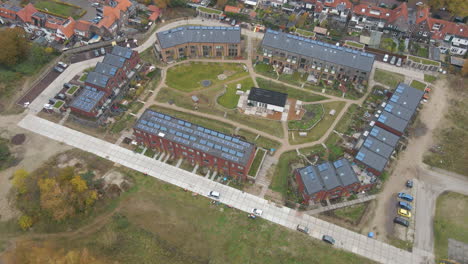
[(232, 50), (207, 51)]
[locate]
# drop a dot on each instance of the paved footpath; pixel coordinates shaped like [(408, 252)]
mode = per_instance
[(346, 240)]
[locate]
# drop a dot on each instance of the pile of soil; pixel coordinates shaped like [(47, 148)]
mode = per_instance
[(18, 139)]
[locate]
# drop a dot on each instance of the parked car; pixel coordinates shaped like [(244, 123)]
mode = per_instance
[(214, 194), (58, 69), (393, 60), (233, 22), (60, 96), (96, 53), (67, 85), (405, 205), (257, 212), (409, 184), (404, 213), (401, 221), (399, 61), (303, 229), (328, 239), (405, 196), (103, 51), (62, 64), (95, 4), (385, 58)]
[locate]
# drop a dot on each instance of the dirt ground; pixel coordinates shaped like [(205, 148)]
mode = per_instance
[(31, 157), (410, 159)]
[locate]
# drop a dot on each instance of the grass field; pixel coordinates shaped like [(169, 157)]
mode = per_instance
[(429, 78), (58, 8), (187, 77), (390, 79), (351, 213), (452, 139), (314, 113), (256, 162), (292, 92), (450, 222), (230, 99), (126, 121), (321, 127), (260, 141), (424, 61), (172, 226), (418, 85)]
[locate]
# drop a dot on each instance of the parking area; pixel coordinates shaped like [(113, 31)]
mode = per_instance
[(400, 231), (37, 89)]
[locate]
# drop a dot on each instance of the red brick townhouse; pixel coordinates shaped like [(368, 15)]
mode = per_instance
[(132, 58), (328, 181), (198, 145), (9, 11), (88, 102)]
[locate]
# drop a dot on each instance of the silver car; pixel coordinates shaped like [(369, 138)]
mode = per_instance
[(399, 62), (393, 60)]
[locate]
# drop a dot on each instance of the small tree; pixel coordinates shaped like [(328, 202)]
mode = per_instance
[(25, 222), (19, 180)]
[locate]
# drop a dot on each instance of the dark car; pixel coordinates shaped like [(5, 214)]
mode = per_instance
[(328, 239), (67, 85), (409, 184), (405, 205), (405, 196), (401, 221)]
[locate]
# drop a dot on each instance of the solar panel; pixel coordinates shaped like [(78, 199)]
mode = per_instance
[(221, 135), (389, 108), (217, 147), (360, 156), (338, 163), (225, 149), (180, 122), (228, 138), (239, 154), (163, 129), (368, 143), (235, 140), (167, 118), (323, 167), (375, 131), (185, 136), (233, 152), (200, 128), (193, 138), (382, 119), (209, 144)]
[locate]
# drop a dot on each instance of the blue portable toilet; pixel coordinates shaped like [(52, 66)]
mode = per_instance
[(370, 234)]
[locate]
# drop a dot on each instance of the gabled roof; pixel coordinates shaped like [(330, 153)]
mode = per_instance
[(123, 5), (122, 51), (88, 99), (154, 16), (232, 9), (196, 34), (384, 136), (443, 27), (68, 28), (371, 159), (400, 12), (153, 8), (26, 13), (97, 79), (335, 3), (316, 49), (106, 69), (267, 97), (114, 60), (372, 11), (82, 25), (12, 8)]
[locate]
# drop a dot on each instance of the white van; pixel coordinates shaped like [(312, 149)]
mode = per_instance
[(214, 194)]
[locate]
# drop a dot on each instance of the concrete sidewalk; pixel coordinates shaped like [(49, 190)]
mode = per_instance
[(346, 240)]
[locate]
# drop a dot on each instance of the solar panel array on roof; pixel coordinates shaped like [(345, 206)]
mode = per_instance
[(198, 137), (122, 51), (88, 99), (97, 79), (197, 34)]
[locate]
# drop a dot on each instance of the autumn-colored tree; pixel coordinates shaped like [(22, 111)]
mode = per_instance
[(162, 3), (465, 68), (14, 46), (292, 17), (457, 7), (54, 199), (302, 19), (19, 180), (221, 3), (25, 222)]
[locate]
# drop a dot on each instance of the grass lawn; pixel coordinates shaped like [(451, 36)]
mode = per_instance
[(305, 32), (418, 85), (429, 78), (126, 121), (187, 77), (292, 92), (150, 153), (58, 104), (135, 107), (260, 141), (423, 52), (210, 10), (450, 222), (388, 44), (158, 221), (313, 114), (390, 79), (271, 127), (58, 8), (83, 77), (321, 127), (283, 170), (355, 44), (351, 213), (139, 149), (256, 162), (424, 61), (230, 99), (72, 90)]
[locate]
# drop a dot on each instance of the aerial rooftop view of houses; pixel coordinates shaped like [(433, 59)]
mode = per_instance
[(141, 131)]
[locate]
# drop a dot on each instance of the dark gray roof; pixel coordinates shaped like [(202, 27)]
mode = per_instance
[(195, 34), (311, 179), (122, 51), (267, 97), (40, 15), (393, 121), (106, 69), (114, 60), (97, 79), (384, 136), (345, 172), (399, 111), (196, 137), (328, 174), (378, 147), (371, 159), (11, 7), (320, 50), (407, 96), (87, 99)]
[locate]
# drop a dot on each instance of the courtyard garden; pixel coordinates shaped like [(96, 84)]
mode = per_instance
[(59, 8), (390, 79), (313, 115), (230, 99), (418, 85), (188, 77)]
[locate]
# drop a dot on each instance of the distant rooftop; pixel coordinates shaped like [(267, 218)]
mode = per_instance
[(122, 51), (384, 136), (371, 159), (105, 69), (97, 79), (87, 99), (195, 136), (196, 34), (316, 49), (114, 60)]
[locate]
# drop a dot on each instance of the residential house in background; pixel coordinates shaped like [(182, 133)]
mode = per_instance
[(266, 99), (195, 41), (318, 58), (220, 152), (328, 181), (371, 17)]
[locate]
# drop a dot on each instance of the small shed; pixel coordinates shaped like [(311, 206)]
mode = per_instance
[(195, 98), (332, 112), (239, 86)]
